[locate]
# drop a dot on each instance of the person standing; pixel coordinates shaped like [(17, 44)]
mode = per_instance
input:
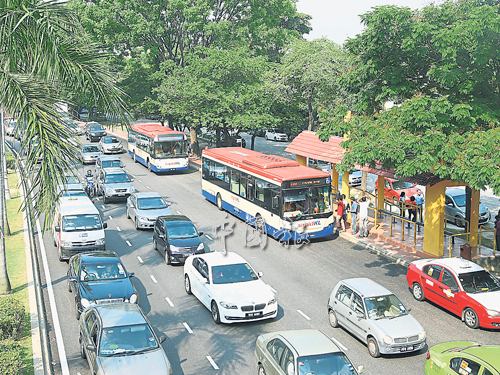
[(402, 203), (354, 215), (497, 232), (363, 216), (340, 212), (419, 200), (412, 211)]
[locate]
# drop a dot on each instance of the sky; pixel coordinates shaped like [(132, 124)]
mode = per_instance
[(338, 20)]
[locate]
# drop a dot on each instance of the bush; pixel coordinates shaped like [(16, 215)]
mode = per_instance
[(10, 358), (11, 317), (11, 161)]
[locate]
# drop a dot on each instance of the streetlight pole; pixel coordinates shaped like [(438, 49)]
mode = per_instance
[(4, 158), (5, 287)]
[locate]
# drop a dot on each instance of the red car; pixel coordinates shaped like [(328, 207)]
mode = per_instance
[(394, 188), (459, 286)]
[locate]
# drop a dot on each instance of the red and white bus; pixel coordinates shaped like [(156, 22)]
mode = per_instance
[(293, 201), (159, 148)]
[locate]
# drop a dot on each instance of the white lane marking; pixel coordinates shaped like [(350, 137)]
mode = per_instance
[(210, 238), (118, 229), (140, 259), (304, 315), (147, 187), (103, 207), (212, 362), (139, 180), (274, 290), (178, 212), (128, 243), (110, 218), (339, 344), (187, 327), (169, 302), (153, 278)]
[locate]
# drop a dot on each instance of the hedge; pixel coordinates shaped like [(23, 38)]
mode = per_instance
[(11, 317), (10, 357)]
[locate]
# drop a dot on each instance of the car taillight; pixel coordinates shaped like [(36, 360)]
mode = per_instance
[(428, 355)]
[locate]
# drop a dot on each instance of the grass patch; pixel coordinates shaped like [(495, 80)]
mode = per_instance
[(16, 267)]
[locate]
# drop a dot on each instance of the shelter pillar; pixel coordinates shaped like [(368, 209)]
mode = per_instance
[(380, 192), (335, 178), (474, 218), (302, 160), (346, 190), (434, 218)]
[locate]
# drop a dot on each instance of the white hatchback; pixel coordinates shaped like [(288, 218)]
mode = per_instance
[(229, 287)]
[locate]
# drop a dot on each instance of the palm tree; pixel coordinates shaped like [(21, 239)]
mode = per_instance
[(44, 55)]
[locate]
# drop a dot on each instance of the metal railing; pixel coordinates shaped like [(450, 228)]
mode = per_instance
[(403, 221), (479, 244), (455, 219)]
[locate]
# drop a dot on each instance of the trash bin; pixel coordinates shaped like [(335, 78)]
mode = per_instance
[(466, 251)]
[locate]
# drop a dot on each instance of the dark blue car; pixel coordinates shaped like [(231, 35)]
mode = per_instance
[(99, 277)]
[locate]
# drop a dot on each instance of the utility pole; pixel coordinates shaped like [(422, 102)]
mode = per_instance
[(5, 287)]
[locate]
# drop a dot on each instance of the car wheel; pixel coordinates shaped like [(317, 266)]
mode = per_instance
[(105, 198), (128, 213), (373, 347), (55, 243), (187, 284), (77, 313), (134, 157), (82, 349), (136, 222), (149, 166), (470, 318), (417, 291), (261, 370), (215, 312), (333, 319), (155, 245), (219, 202), (266, 137), (69, 286), (168, 261), (59, 254), (458, 222)]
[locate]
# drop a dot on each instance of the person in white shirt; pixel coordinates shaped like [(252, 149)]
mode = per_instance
[(363, 216)]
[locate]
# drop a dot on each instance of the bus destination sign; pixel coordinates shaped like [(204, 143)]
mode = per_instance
[(305, 183), (170, 137)]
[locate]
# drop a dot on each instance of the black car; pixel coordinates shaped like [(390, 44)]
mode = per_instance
[(176, 237), (99, 277), (94, 131)]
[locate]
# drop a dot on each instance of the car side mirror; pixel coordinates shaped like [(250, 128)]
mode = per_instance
[(161, 235), (169, 204), (162, 338), (260, 274), (200, 233), (455, 290), (105, 225), (360, 315), (131, 274), (361, 369), (408, 309), (72, 279), (57, 228), (91, 347)]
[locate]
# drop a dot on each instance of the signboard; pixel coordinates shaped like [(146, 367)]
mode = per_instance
[(306, 183), (170, 137)]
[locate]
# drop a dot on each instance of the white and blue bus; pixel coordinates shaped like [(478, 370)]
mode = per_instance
[(157, 147), (287, 200)]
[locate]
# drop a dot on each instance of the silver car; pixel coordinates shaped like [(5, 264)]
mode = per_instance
[(144, 209), (376, 316), (116, 338), (114, 183), (110, 145), (108, 161), (454, 207), (89, 153)]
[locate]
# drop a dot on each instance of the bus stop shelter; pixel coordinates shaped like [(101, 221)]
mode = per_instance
[(307, 147)]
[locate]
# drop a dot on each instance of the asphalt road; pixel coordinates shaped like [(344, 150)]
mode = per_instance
[(303, 279)]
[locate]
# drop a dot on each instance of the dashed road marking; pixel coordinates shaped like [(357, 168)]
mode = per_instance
[(212, 362), (304, 315), (147, 187), (128, 243), (339, 344), (169, 302), (110, 218), (274, 290), (118, 229), (140, 259), (139, 180), (210, 238), (153, 278), (187, 327), (103, 207), (178, 212)]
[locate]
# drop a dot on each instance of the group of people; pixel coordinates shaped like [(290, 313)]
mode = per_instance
[(358, 210), (414, 207)]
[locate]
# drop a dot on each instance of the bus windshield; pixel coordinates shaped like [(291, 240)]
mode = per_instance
[(306, 201), (169, 149)]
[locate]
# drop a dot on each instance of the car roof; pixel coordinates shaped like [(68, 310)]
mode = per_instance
[(108, 157), (219, 258), (366, 287), (119, 314), (309, 342), (455, 191), (488, 353), (147, 194), (457, 265), (114, 171), (76, 205), (98, 256), (88, 144), (170, 218)]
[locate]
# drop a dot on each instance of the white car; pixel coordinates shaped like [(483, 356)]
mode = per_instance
[(110, 145), (275, 135), (229, 287)]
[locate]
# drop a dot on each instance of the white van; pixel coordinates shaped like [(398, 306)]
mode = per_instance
[(77, 227)]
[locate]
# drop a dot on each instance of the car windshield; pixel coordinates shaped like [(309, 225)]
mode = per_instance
[(116, 178), (478, 282), (177, 231), (384, 307), (401, 185), (233, 273), (73, 223), (306, 201), (111, 164), (102, 271), (90, 149), (459, 200), (71, 193), (325, 364), (126, 340), (152, 203), (71, 180), (110, 140), (96, 127)]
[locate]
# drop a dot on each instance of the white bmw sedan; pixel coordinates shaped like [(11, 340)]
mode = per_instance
[(229, 287)]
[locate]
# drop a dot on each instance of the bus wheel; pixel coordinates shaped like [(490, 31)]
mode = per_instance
[(149, 165), (219, 202), (135, 159)]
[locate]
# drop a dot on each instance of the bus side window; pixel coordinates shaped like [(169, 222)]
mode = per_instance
[(235, 182), (250, 187), (259, 190), (243, 185)]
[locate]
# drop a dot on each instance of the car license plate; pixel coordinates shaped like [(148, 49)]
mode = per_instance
[(406, 348), (253, 314), (121, 194)]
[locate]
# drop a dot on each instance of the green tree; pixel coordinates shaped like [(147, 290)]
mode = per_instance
[(44, 52), (441, 64)]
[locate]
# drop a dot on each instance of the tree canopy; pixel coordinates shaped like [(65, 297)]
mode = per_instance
[(440, 65)]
